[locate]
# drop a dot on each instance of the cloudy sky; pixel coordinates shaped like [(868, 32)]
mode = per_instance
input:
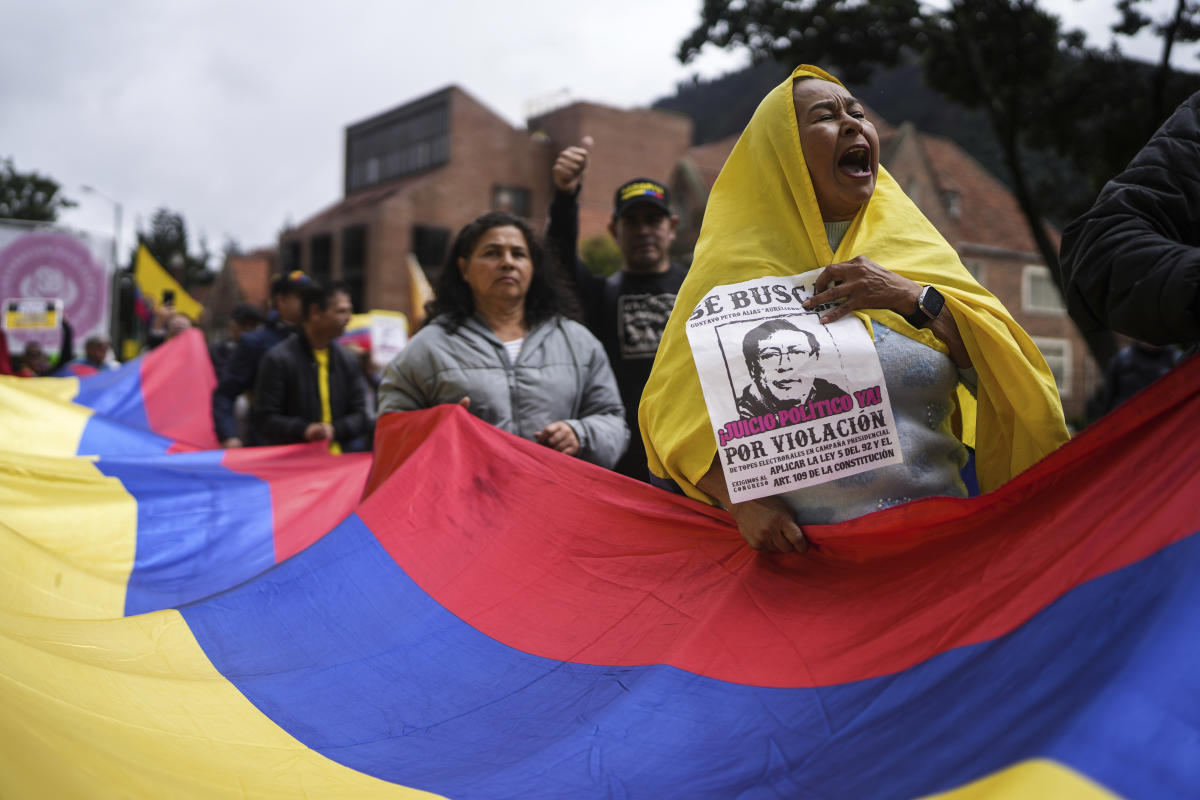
[(232, 113)]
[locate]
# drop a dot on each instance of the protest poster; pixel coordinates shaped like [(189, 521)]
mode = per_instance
[(389, 335), (34, 319), (55, 264), (793, 402)]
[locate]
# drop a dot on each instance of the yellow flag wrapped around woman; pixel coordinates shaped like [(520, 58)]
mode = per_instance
[(767, 216)]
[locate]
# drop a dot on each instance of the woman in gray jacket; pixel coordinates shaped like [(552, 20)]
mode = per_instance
[(498, 344)]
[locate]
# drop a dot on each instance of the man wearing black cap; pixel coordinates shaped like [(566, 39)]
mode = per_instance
[(240, 371), (626, 311)]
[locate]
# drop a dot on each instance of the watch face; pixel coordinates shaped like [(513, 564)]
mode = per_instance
[(931, 302)]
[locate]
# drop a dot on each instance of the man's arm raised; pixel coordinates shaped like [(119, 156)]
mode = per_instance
[(562, 232)]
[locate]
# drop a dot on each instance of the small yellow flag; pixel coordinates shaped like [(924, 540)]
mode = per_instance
[(152, 280)]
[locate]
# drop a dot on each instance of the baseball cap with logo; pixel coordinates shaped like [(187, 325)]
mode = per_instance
[(640, 190), (289, 282)]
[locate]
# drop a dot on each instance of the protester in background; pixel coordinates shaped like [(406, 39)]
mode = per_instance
[(244, 319), (177, 323), (1132, 262), (803, 190), (241, 371), (308, 387), (1131, 370), (626, 311), (66, 350), (497, 342), (157, 332), (15, 364), (34, 363), (95, 356), (64, 363)]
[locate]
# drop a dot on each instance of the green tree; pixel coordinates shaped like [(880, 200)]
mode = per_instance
[(167, 241), (29, 195), (600, 254), (981, 55), (847, 36), (1182, 26)]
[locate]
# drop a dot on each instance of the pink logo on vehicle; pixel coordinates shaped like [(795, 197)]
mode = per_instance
[(55, 265)]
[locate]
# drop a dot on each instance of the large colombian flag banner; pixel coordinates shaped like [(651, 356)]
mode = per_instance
[(150, 519), (496, 620)]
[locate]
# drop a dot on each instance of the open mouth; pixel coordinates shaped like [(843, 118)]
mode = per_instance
[(856, 162)]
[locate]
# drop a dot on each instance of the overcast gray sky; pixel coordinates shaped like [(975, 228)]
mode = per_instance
[(232, 113)]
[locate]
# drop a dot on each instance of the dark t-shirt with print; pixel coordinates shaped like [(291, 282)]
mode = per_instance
[(626, 312)]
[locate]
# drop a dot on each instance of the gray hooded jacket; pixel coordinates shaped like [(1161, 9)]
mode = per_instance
[(561, 373)]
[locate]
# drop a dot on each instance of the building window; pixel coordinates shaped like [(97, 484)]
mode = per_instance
[(290, 258), (429, 245), (1039, 294), (408, 140), (975, 268), (953, 202), (513, 199), (354, 264), (321, 257), (1057, 353)]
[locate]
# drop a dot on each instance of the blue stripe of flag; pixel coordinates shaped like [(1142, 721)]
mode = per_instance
[(201, 527), (347, 654)]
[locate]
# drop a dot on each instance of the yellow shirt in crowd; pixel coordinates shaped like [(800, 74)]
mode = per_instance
[(322, 357)]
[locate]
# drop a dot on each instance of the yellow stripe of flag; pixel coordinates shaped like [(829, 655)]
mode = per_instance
[(152, 280), (132, 707), (1035, 779), (38, 417), (68, 538)]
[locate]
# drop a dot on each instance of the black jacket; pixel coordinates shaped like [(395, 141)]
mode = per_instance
[(1132, 262), (238, 374), (287, 400), (1131, 370)]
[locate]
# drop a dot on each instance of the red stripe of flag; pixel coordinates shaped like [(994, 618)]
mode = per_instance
[(976, 568)]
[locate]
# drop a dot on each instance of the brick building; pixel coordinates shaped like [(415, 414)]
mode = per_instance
[(244, 278), (980, 217), (416, 174)]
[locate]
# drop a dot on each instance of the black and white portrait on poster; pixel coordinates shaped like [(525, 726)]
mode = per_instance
[(783, 357), (793, 402)]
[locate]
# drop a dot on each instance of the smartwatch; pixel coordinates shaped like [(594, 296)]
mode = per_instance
[(929, 305)]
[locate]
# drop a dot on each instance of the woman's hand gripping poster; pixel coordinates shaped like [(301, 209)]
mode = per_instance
[(792, 402)]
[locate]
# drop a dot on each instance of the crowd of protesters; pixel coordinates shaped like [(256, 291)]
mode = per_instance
[(502, 338)]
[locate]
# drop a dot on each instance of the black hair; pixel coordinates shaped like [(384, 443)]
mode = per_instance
[(316, 295), (764, 331), (453, 299), (245, 314)]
